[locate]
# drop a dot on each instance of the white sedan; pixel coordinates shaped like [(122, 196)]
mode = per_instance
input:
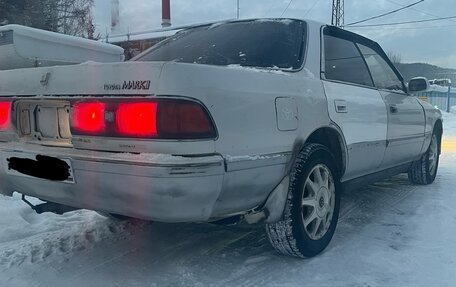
[(256, 121)]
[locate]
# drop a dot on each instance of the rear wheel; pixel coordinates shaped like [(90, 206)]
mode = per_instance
[(424, 170), (312, 208)]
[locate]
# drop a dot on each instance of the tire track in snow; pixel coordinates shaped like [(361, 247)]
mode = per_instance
[(385, 194)]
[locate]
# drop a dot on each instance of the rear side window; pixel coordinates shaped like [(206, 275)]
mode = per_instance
[(383, 75), (343, 62), (261, 43)]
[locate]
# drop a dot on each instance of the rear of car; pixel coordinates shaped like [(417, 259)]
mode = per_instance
[(187, 132), (265, 121)]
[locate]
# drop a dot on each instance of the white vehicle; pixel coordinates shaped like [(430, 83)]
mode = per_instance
[(25, 47), (260, 121)]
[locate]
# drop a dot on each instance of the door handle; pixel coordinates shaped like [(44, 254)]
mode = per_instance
[(341, 106), (393, 109)]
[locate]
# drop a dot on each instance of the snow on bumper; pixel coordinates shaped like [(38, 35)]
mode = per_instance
[(157, 187)]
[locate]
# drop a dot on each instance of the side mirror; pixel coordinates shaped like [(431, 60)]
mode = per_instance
[(418, 84)]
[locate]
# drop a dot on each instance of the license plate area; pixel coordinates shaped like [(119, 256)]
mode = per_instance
[(41, 166), (44, 121)]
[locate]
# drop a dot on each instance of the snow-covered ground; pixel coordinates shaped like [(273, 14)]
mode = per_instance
[(450, 123), (390, 234)]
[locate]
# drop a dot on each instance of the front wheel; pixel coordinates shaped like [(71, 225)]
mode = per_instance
[(312, 208), (424, 170)]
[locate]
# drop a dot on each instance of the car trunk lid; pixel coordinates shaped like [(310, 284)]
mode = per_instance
[(90, 78)]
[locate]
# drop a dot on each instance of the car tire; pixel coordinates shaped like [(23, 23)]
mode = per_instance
[(312, 208), (424, 170)]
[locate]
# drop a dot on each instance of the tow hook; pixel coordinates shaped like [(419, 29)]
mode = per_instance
[(49, 207)]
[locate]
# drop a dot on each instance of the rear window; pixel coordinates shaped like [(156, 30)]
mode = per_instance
[(259, 43)]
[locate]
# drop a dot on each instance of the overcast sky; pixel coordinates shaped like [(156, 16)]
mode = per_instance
[(432, 42)]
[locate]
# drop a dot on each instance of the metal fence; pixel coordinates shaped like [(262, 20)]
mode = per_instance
[(442, 100)]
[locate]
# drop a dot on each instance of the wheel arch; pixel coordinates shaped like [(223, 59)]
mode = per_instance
[(329, 136), (332, 138), (438, 127)]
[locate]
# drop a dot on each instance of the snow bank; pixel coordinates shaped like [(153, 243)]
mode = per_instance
[(28, 238), (436, 88)]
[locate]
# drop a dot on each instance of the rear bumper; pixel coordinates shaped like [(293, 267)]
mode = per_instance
[(149, 186)]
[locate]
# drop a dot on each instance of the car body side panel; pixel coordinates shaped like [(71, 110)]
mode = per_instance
[(313, 61), (406, 125), (432, 115), (242, 102), (363, 123)]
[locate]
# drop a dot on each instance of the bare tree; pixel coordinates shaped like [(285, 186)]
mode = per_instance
[(71, 17), (74, 17)]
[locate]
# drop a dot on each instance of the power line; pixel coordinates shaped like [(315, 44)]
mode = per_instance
[(311, 8), (288, 6), (403, 28), (385, 14), (403, 23), (417, 10)]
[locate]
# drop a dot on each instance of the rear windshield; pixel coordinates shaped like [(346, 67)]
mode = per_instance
[(259, 43)]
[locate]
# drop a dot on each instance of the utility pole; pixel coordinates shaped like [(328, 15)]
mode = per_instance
[(338, 13), (238, 9)]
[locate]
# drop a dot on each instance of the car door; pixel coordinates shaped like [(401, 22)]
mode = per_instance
[(354, 104), (406, 119)]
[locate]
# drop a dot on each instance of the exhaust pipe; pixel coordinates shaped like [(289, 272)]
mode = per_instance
[(51, 207), (166, 13)]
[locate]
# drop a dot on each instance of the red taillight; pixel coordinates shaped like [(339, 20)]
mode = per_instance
[(184, 120), (156, 119), (137, 119), (5, 115), (88, 118)]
